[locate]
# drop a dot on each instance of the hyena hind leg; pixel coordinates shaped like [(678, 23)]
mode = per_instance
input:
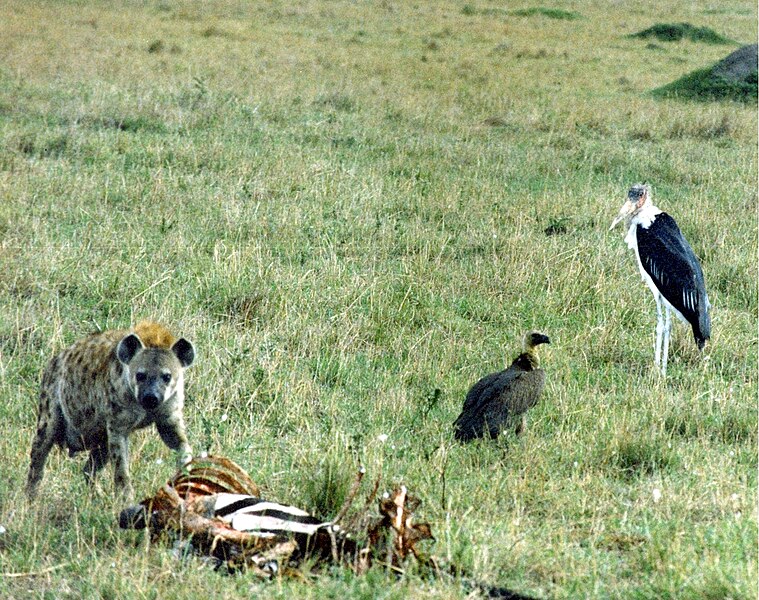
[(51, 429), (97, 460)]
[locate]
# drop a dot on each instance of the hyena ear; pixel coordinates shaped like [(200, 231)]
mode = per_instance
[(184, 351), (128, 347)]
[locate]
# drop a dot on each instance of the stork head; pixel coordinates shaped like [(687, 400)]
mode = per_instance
[(533, 339), (637, 197)]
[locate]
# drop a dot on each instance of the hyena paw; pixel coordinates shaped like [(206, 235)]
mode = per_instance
[(184, 456), (127, 493)]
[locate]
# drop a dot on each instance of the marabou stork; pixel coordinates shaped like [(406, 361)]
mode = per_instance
[(501, 399), (669, 267)]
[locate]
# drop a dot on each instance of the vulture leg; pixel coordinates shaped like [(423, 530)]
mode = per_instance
[(659, 332)]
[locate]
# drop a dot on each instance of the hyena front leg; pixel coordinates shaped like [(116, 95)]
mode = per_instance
[(173, 434), (118, 453), (521, 425), (50, 429)]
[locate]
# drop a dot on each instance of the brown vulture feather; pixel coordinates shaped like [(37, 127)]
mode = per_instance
[(500, 400)]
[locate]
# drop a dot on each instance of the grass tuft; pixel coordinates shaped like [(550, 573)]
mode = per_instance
[(337, 101), (551, 13), (674, 32), (540, 11), (46, 145), (325, 490), (640, 455), (156, 46)]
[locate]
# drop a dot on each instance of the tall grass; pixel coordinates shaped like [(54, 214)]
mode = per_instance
[(355, 210)]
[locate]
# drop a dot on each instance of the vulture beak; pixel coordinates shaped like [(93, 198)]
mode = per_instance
[(627, 209)]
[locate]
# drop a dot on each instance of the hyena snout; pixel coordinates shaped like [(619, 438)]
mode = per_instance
[(152, 391), (149, 400)]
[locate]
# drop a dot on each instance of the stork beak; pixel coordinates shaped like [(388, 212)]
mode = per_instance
[(627, 209)]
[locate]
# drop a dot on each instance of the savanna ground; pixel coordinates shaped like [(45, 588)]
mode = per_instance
[(355, 209)]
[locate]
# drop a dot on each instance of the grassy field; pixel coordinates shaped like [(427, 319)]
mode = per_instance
[(354, 210)]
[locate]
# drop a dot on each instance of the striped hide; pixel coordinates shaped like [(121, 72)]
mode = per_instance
[(264, 518)]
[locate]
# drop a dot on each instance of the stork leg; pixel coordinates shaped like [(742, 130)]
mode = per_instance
[(665, 348), (659, 333)]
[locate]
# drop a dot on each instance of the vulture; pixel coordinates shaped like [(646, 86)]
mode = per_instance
[(500, 400)]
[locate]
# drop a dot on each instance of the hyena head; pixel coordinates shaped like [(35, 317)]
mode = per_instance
[(154, 374)]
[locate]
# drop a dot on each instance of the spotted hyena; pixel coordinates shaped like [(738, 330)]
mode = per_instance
[(104, 387)]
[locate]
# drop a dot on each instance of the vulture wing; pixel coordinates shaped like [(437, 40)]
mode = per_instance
[(495, 398)]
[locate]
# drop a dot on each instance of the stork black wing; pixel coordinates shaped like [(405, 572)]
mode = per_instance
[(672, 265)]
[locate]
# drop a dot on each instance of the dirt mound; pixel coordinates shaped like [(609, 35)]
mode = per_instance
[(732, 78), (739, 65)]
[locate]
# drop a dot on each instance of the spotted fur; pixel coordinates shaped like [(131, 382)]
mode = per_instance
[(104, 387)]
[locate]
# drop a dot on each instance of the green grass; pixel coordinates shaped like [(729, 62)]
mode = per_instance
[(674, 32), (354, 210), (705, 85)]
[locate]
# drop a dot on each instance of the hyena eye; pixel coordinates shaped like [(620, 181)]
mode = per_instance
[(166, 377), (140, 377)]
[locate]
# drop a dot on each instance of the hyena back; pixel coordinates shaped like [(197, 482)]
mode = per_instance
[(105, 386)]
